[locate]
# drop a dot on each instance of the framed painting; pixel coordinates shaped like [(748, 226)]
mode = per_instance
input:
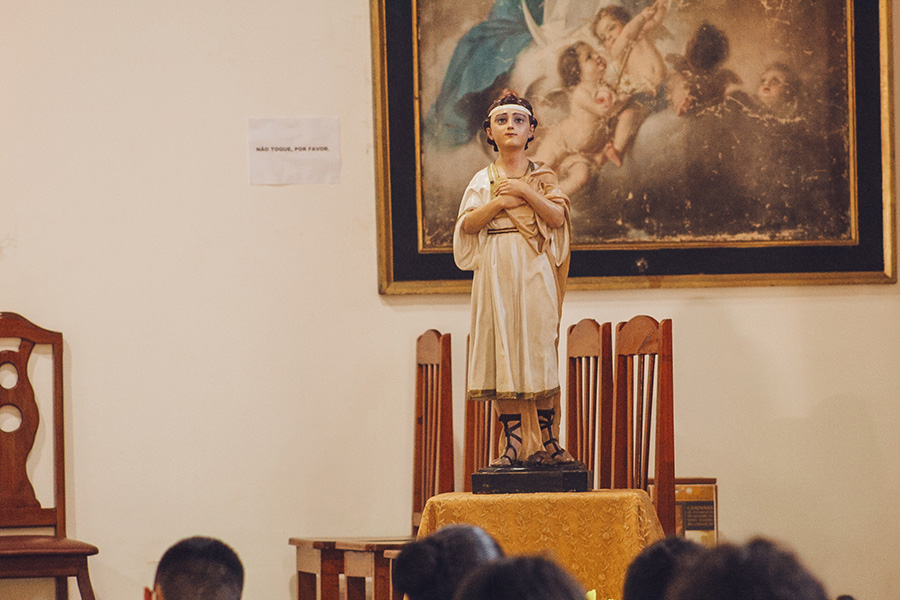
[(700, 142)]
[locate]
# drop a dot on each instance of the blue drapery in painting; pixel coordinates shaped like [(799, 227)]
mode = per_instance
[(486, 53)]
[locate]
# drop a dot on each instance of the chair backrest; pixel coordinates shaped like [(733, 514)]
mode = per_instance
[(482, 434), (477, 446), (19, 507), (589, 396), (433, 459), (643, 413)]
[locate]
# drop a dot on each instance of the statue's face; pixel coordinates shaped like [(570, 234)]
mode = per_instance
[(510, 128)]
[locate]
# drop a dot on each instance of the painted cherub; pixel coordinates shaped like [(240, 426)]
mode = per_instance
[(641, 67), (778, 91), (574, 146), (699, 81)]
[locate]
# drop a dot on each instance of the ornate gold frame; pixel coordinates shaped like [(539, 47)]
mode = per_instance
[(403, 269)]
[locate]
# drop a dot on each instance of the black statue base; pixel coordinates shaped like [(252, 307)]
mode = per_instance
[(571, 477)]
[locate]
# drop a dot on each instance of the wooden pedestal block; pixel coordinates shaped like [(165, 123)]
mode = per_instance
[(572, 477)]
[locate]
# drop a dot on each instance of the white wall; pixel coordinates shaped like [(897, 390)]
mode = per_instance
[(231, 369)]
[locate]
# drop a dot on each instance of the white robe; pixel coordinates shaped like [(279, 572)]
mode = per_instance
[(517, 292)]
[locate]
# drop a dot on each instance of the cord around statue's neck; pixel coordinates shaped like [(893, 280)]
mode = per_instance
[(515, 166)]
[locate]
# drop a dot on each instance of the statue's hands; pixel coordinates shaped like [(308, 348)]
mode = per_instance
[(513, 187), (507, 201)]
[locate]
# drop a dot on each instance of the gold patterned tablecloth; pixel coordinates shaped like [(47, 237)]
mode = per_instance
[(595, 534)]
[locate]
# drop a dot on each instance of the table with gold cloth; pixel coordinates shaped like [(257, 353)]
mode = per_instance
[(594, 534)]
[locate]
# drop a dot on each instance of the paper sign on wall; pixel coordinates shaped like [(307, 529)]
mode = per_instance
[(294, 150)]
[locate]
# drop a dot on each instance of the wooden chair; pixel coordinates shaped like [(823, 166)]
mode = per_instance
[(433, 471), (589, 396), (391, 556), (643, 413), (476, 446), (482, 435), (26, 556), (322, 562)]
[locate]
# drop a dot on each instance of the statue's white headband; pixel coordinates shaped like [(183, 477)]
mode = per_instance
[(516, 107)]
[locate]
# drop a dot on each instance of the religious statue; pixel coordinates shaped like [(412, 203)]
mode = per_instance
[(513, 231)]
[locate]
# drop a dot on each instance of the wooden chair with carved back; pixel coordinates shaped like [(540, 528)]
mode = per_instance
[(589, 396), (46, 554), (643, 414), (322, 561)]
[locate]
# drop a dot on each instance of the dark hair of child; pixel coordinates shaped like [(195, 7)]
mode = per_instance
[(650, 573), (521, 578), (433, 567), (757, 570)]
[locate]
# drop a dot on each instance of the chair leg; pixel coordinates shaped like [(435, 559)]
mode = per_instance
[(62, 588), (330, 575), (356, 588), (306, 586), (381, 582), (84, 583)]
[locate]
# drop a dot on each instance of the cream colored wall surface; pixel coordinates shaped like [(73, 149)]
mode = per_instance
[(231, 369)]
